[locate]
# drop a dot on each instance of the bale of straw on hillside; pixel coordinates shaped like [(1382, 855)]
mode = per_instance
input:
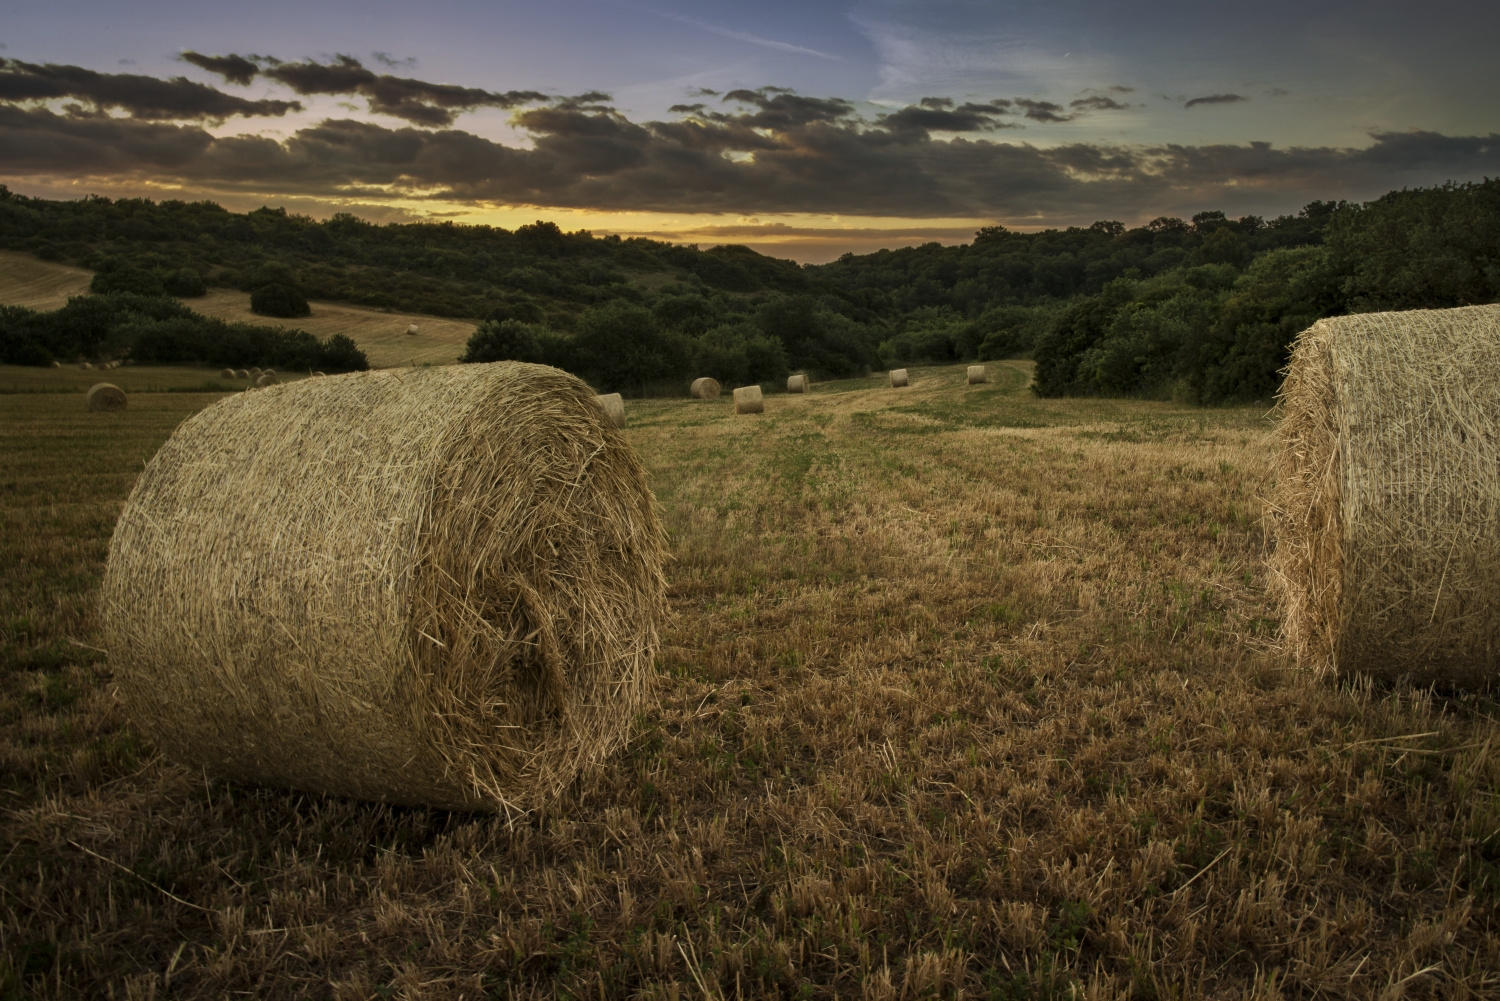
[(317, 375), (749, 400), (705, 388), (437, 587), (56, 363), (228, 373), (242, 373), (87, 366), (265, 379), (796, 383), (1386, 507), (613, 405), (899, 377), (977, 375), (106, 396), (411, 329), (255, 373)]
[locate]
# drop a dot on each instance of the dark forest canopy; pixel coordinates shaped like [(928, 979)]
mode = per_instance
[(1202, 309)]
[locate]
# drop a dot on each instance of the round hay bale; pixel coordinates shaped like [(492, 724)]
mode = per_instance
[(228, 373), (87, 366), (106, 396), (1386, 506), (749, 400), (266, 378), (977, 375), (613, 405), (899, 377), (255, 373), (242, 373), (317, 375), (411, 330), (796, 383), (436, 587), (705, 388), (56, 363)]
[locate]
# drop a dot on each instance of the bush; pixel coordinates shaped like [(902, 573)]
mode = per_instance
[(185, 283), (278, 299), (503, 340)]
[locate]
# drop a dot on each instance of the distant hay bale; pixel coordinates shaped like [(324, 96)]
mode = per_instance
[(899, 377), (241, 373), (56, 363), (255, 373), (613, 405), (977, 374), (435, 587), (748, 400), (228, 373), (796, 383), (106, 396), (266, 378), (87, 366), (1386, 507), (317, 375), (411, 330), (706, 388)]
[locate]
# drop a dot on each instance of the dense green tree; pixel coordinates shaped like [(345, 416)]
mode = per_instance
[(278, 299), (503, 340)]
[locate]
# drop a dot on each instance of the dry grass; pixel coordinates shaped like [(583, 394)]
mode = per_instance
[(436, 587), (37, 284), (385, 338), (966, 694)]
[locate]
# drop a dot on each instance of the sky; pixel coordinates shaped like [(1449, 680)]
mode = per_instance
[(803, 129)]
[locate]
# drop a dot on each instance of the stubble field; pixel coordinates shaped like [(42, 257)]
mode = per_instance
[(964, 694)]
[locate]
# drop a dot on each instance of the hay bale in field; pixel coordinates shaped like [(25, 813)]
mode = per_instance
[(266, 378), (705, 388), (899, 377), (106, 396), (977, 375), (613, 405), (317, 375), (87, 366), (796, 383), (255, 373), (749, 400), (56, 363), (242, 373), (411, 330), (1386, 507), (228, 373), (437, 586)]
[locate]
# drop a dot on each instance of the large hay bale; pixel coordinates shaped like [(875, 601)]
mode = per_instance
[(899, 377), (613, 405), (749, 400), (106, 396), (412, 329), (266, 378), (977, 375), (1386, 508), (705, 388), (796, 383), (437, 587)]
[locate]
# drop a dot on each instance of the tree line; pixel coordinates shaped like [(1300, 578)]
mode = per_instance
[(1201, 309)]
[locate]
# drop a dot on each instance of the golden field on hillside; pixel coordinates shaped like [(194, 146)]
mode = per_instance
[(963, 694)]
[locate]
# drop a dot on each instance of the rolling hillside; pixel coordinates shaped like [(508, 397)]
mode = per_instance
[(42, 285)]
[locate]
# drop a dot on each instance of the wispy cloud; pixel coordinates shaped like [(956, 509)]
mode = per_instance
[(745, 36)]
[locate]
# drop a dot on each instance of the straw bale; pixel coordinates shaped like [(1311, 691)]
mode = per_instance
[(977, 374), (56, 363), (228, 373), (411, 329), (265, 379), (705, 388), (255, 373), (796, 383), (1386, 506), (899, 377), (242, 373), (749, 400), (437, 587), (613, 405), (106, 396), (87, 366), (317, 375)]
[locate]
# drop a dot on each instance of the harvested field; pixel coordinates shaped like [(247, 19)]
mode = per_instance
[(964, 693)]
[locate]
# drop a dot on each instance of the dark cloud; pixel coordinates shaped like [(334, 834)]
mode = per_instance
[(235, 69), (1216, 99), (138, 96), (1097, 102), (416, 101), (1043, 111), (757, 151)]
